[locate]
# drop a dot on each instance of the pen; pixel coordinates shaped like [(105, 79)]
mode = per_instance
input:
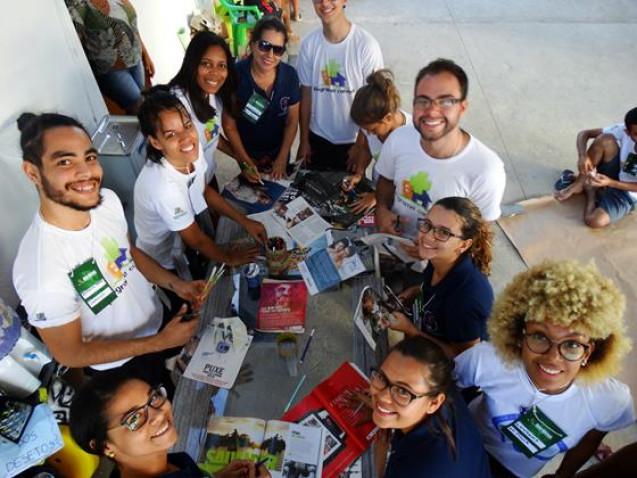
[(260, 463), (294, 393), (307, 346)]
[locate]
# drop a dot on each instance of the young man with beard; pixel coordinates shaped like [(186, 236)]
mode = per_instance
[(435, 158), (334, 61), (84, 285)]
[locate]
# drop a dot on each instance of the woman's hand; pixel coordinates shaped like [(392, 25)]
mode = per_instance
[(402, 324), (279, 168), (238, 256), (190, 291), (411, 249), (408, 295), (304, 153), (250, 171)]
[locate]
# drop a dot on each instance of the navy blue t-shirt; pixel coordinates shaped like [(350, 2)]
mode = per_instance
[(265, 137), (456, 309), (186, 468), (424, 451)]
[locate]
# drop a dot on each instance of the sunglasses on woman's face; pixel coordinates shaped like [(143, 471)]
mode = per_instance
[(265, 46)]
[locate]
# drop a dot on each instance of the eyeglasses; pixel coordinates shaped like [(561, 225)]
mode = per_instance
[(265, 46), (137, 418), (570, 350), (441, 234), (423, 102), (400, 395)]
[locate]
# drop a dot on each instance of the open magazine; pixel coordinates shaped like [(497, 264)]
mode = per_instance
[(324, 191), (253, 198), (328, 266), (290, 450), (300, 220), (282, 306), (347, 431), (219, 353), (374, 314)]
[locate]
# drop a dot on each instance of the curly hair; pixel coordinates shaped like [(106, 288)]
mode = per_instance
[(568, 294)]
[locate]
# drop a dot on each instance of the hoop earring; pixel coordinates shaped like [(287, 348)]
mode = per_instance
[(110, 454), (583, 364)]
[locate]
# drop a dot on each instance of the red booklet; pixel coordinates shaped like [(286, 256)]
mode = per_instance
[(329, 407), (282, 306)]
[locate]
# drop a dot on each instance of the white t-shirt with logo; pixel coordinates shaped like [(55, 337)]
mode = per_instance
[(375, 144), (420, 180), (627, 155), (334, 71), (208, 132), (166, 201), (48, 254), (507, 392)]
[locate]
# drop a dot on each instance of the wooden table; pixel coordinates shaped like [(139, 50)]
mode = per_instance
[(268, 393)]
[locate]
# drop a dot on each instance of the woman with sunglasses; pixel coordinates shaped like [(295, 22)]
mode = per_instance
[(204, 84), (455, 297), (414, 401), (263, 124), (557, 337), (131, 422)]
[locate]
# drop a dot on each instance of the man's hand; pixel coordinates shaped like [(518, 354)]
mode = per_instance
[(256, 230), (237, 256), (599, 180), (250, 171), (585, 165), (178, 332), (304, 153), (365, 203), (402, 324), (190, 291), (386, 221)]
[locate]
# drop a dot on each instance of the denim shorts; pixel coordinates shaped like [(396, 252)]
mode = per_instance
[(616, 202)]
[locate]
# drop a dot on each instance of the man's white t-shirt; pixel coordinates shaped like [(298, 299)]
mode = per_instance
[(507, 392), (420, 180), (334, 71), (48, 255), (166, 201), (627, 155), (208, 132), (375, 144)]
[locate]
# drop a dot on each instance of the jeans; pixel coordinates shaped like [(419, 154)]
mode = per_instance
[(124, 87)]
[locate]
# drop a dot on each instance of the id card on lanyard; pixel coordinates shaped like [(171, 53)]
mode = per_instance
[(533, 432), (90, 284), (255, 107)]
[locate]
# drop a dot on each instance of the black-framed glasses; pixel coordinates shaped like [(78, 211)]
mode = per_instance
[(400, 395), (424, 102), (569, 349), (441, 234), (137, 418), (265, 46)]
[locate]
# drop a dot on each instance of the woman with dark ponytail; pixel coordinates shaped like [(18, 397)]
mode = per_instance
[(414, 398), (376, 110), (455, 297)]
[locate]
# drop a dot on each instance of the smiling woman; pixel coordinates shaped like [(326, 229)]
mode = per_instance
[(130, 422), (558, 337)]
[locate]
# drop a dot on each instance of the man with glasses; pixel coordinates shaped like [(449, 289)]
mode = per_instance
[(435, 158), (333, 63)]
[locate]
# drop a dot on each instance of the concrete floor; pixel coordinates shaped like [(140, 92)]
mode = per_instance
[(539, 71)]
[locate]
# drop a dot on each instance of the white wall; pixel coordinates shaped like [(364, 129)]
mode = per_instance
[(43, 69)]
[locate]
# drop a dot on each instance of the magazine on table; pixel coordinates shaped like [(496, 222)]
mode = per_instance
[(300, 220), (327, 267), (388, 244), (290, 449), (331, 406), (219, 353), (253, 197), (282, 306), (324, 191)]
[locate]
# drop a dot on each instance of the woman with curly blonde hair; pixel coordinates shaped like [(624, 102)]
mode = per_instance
[(455, 297), (557, 338)]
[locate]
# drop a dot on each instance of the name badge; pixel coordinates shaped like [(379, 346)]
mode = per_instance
[(533, 432), (90, 284), (255, 107)]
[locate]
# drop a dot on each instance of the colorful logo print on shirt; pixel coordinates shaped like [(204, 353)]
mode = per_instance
[(211, 129), (414, 189), (116, 258), (332, 76), (630, 166)]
